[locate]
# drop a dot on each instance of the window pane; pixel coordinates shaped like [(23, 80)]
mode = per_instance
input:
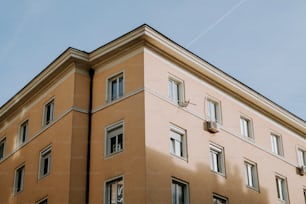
[(179, 191), (177, 143), (114, 139), (23, 132), (217, 159), (121, 86), (44, 202), (46, 166), (120, 142), (217, 200), (281, 189), (274, 144), (114, 192), (114, 89), (174, 90), (250, 175), (301, 157), (113, 144), (19, 179), (214, 161), (2, 146), (49, 112), (245, 127), (213, 111)]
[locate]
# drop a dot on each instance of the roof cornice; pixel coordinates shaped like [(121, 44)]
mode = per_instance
[(152, 38)]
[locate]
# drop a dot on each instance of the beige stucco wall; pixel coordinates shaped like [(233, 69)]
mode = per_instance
[(130, 163), (67, 137), (162, 166)]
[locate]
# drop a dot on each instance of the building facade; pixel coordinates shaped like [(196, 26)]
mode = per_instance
[(143, 120)]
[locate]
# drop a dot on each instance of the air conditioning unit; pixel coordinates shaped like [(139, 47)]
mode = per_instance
[(213, 126), (302, 170), (183, 103)]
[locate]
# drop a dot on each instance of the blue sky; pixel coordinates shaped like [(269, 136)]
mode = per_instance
[(261, 43)]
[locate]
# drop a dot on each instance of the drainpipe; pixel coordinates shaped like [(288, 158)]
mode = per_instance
[(91, 74)]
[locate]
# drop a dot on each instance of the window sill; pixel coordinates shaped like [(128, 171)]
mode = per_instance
[(112, 154), (43, 176), (218, 173), (179, 157), (253, 188)]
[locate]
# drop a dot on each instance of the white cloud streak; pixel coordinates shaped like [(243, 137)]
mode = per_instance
[(213, 25)]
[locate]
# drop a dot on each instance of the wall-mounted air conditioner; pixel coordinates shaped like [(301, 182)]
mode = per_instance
[(213, 126), (302, 170), (183, 103)]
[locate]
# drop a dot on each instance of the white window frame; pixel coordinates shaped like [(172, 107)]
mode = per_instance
[(19, 185), (3, 144), (213, 110), (277, 144), (246, 127), (48, 115), (179, 187), (114, 131), (217, 198), (282, 189), (176, 90), (178, 141), (23, 132), (43, 201), (45, 155), (251, 175), (217, 159), (119, 189), (116, 77), (301, 156)]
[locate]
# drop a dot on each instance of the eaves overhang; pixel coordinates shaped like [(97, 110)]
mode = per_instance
[(53, 69), (147, 36)]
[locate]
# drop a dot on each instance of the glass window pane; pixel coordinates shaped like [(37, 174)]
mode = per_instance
[(114, 90), (121, 86), (2, 146)]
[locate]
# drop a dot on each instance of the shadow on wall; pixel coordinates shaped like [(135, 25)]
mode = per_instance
[(202, 182)]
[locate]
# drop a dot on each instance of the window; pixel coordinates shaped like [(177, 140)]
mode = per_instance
[(43, 201), (114, 191), (115, 87), (45, 162), (179, 192), (217, 199), (276, 142), (282, 192), (48, 113), (217, 159), (301, 157), (178, 141), (251, 175), (114, 138), (23, 132), (213, 110), (2, 148), (175, 90), (19, 179), (246, 127)]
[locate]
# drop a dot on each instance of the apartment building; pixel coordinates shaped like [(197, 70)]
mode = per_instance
[(143, 120)]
